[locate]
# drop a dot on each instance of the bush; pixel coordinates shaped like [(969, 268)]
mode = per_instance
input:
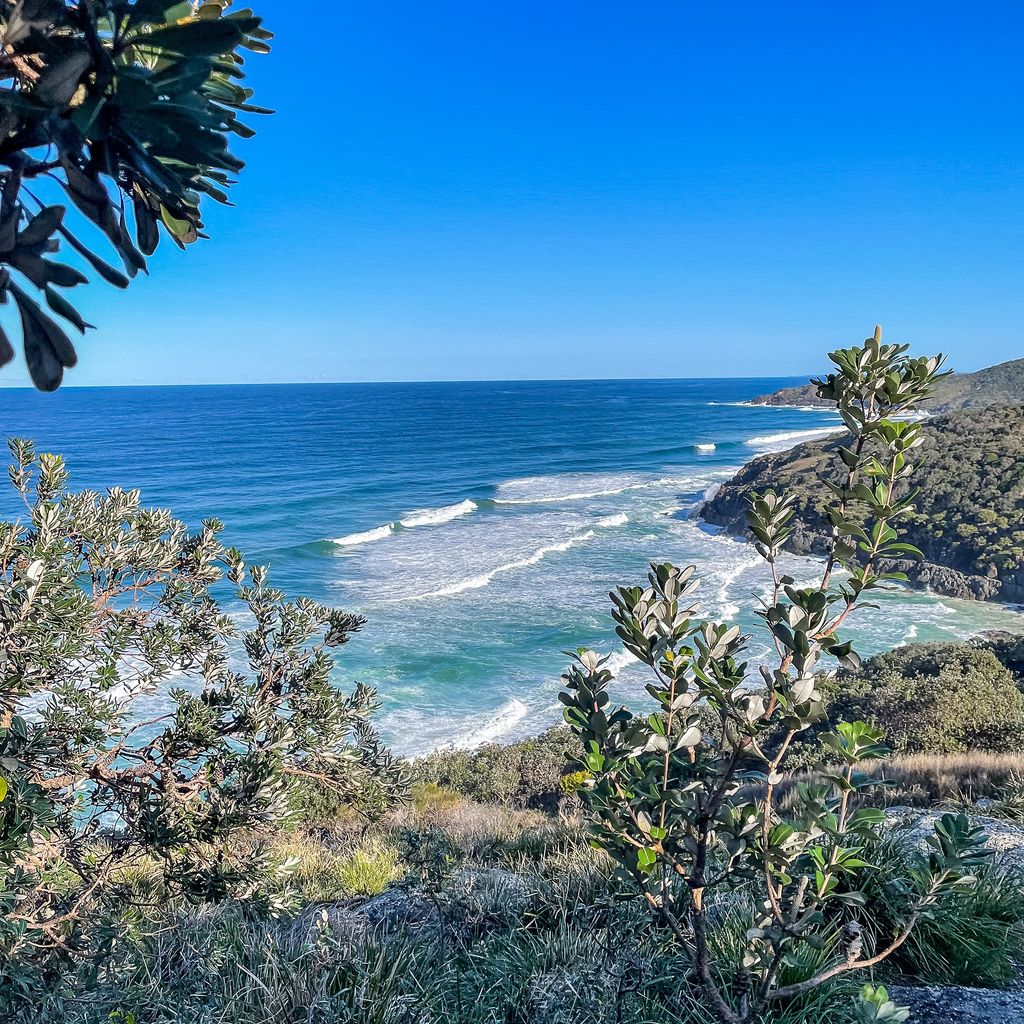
[(104, 606), (932, 699), (524, 774), (671, 801), (970, 937)]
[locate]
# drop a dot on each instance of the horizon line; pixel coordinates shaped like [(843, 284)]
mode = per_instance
[(356, 383)]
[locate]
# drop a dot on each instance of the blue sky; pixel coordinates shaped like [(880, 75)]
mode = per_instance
[(597, 189)]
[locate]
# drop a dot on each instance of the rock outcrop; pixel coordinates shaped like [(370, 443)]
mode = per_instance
[(969, 515)]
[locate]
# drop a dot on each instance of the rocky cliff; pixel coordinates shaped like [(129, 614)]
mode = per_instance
[(969, 518)]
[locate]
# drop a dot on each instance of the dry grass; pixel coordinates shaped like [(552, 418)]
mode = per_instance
[(927, 780), (960, 778)]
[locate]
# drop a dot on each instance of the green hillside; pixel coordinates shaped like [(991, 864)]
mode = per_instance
[(994, 385), (970, 515)]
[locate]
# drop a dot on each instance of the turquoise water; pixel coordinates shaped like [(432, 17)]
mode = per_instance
[(478, 526)]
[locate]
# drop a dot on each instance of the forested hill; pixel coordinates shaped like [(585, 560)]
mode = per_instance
[(969, 520), (994, 385)]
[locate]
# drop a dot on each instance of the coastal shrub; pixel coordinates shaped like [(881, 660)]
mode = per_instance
[(527, 773), (972, 936), (429, 797), (142, 724), (929, 699), (671, 800), (139, 94), (936, 699)]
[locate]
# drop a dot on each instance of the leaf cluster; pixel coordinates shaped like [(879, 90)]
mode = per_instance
[(143, 724), (124, 109)]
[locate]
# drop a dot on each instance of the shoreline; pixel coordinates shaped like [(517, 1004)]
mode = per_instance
[(794, 471)]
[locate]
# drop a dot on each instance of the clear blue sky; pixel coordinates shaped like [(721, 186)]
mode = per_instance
[(599, 189)]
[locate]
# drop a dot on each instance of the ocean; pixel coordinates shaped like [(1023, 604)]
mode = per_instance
[(478, 526)]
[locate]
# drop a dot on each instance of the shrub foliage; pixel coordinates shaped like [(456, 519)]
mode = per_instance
[(125, 109), (934, 699), (670, 796), (141, 727), (528, 773)]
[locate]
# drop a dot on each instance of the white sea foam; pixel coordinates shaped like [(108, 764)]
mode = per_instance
[(787, 436), (908, 637), (705, 447), (709, 493), (500, 723), (823, 409), (366, 537), (620, 660), (619, 519), (484, 578), (727, 607), (544, 490), (436, 516)]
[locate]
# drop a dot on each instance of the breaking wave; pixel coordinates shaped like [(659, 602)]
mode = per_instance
[(787, 436), (436, 516), (619, 486), (477, 582), (418, 517), (503, 721), (366, 537)]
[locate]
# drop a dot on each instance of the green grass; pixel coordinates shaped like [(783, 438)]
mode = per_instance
[(529, 927)]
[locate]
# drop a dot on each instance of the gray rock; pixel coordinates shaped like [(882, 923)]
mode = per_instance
[(395, 909), (339, 919), (480, 899), (392, 911), (495, 882), (959, 1005), (1005, 838)]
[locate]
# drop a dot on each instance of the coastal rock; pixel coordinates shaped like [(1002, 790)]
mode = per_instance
[(398, 908), (393, 910), (804, 395), (482, 899), (956, 1004), (966, 521), (1005, 838), (942, 579), (497, 883)]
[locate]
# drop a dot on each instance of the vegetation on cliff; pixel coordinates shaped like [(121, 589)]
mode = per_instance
[(933, 699), (994, 385), (968, 519)]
